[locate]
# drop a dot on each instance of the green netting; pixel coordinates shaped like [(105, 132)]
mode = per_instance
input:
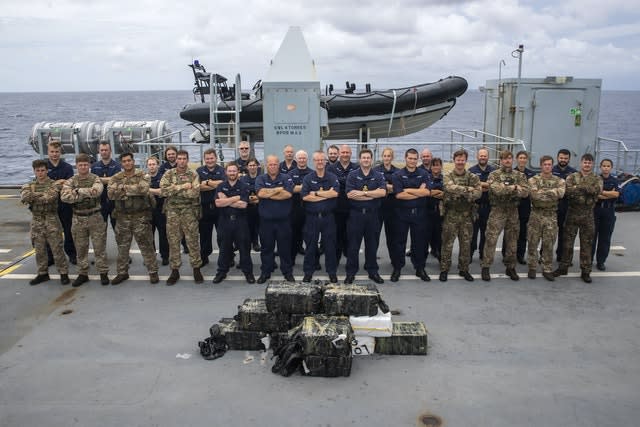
[(351, 300), (238, 339), (325, 335), (408, 338), (287, 297), (254, 316), (332, 366)]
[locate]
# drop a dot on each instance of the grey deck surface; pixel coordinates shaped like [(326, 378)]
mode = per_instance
[(502, 353)]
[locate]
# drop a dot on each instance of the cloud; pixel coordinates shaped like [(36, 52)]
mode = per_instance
[(146, 44)]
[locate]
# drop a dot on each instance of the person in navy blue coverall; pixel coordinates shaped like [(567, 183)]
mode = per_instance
[(604, 214), (482, 171), (319, 193), (105, 168), (562, 169), (232, 199), (387, 210), (253, 170), (411, 186), (433, 231), (274, 189), (365, 190), (211, 175), (297, 210), (341, 169), (60, 171), (158, 218)]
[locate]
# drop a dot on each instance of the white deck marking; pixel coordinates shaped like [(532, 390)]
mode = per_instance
[(5, 251), (361, 278)]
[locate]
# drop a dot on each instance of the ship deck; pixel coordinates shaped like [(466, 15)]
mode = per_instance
[(501, 353)]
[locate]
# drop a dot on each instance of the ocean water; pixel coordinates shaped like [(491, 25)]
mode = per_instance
[(619, 118)]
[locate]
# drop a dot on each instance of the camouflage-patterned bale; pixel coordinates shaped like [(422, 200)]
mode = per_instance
[(238, 339), (409, 338), (254, 316), (296, 319), (351, 300), (332, 366), (299, 298), (321, 336)]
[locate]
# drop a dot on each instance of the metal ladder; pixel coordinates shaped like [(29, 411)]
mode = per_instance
[(224, 131)]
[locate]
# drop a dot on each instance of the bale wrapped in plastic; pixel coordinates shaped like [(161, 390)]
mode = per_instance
[(331, 366), (298, 298), (254, 316), (296, 319), (379, 325), (326, 335), (352, 300), (408, 338), (239, 339)]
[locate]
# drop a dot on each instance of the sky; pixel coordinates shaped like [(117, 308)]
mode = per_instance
[(104, 45)]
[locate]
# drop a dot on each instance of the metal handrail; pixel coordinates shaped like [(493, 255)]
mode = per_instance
[(626, 160)]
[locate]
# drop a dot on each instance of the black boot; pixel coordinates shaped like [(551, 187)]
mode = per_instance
[(39, 279), (486, 276), (80, 280), (197, 275), (173, 277)]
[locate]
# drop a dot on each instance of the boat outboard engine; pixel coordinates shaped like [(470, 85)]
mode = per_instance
[(124, 135), (75, 137)]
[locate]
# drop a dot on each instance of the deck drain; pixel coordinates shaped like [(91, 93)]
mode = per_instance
[(65, 312), (429, 420)]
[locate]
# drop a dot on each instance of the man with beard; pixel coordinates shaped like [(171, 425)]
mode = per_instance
[(482, 171), (582, 191), (341, 169), (211, 175), (562, 169), (129, 191), (365, 188), (232, 197), (297, 210), (506, 187), (332, 154), (274, 190), (461, 189)]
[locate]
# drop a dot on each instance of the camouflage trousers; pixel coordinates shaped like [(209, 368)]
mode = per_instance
[(137, 226), (92, 227), (502, 218), (542, 230), (578, 220), (185, 223), (47, 229), (456, 225)]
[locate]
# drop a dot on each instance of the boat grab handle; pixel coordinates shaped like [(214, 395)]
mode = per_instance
[(393, 110)]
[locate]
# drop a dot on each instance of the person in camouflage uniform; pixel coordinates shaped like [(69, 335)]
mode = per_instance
[(42, 197), (545, 191), (583, 189), (506, 187), (461, 190), (83, 191), (181, 187), (129, 190)]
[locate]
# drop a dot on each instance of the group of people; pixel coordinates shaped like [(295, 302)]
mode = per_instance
[(292, 209)]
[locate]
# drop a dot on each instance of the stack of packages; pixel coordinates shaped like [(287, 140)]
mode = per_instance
[(317, 329)]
